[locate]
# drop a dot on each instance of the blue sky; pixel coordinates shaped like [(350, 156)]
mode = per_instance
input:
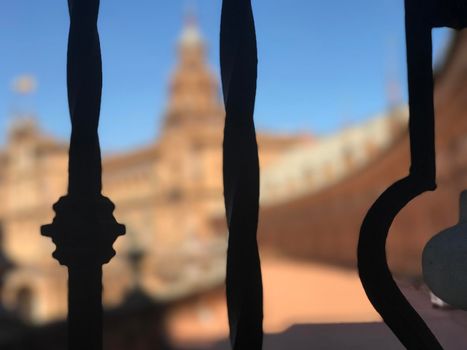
[(322, 64)]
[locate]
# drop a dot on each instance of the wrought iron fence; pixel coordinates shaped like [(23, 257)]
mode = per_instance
[(84, 228), (420, 18)]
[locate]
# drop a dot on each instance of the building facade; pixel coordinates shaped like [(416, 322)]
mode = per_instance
[(166, 194)]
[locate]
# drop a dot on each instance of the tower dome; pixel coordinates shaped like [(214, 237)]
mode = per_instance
[(194, 88), (191, 36)]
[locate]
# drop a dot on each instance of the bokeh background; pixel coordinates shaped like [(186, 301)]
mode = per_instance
[(331, 116)]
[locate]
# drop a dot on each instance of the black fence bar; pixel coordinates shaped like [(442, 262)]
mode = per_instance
[(238, 55), (85, 307), (84, 228), (380, 287)]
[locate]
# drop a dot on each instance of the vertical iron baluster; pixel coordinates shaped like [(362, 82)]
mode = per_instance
[(238, 54), (420, 17), (84, 228)]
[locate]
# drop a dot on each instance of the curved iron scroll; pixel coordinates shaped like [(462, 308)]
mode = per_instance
[(84, 228), (420, 17), (238, 56)]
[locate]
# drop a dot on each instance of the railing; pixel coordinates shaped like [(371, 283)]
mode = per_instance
[(84, 228), (421, 17)]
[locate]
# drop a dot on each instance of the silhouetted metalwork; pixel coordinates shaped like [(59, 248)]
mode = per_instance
[(84, 228), (407, 325), (238, 54)]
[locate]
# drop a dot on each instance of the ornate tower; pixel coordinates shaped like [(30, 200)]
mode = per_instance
[(194, 90)]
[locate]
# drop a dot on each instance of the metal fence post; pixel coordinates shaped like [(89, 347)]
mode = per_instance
[(84, 228), (238, 54)]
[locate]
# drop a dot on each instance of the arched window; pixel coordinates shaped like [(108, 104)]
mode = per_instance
[(24, 303), (5, 263), (2, 233)]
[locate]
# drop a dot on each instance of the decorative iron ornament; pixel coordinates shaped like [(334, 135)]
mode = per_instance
[(84, 228), (238, 56), (421, 16)]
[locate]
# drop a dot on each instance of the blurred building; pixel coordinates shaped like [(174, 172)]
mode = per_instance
[(165, 193), (309, 227), (307, 169), (323, 226), (169, 195)]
